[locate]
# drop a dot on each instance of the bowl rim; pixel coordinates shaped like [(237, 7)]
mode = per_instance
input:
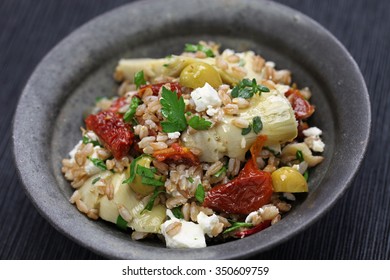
[(30, 183)]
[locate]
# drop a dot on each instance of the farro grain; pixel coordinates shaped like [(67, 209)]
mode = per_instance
[(276, 219), (137, 235), (93, 214), (240, 122), (81, 206), (173, 229), (125, 214), (75, 196), (242, 103), (231, 109)]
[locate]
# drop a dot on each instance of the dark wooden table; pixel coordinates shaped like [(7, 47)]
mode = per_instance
[(358, 227)]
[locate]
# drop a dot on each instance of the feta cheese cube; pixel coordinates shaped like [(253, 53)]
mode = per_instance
[(205, 96)]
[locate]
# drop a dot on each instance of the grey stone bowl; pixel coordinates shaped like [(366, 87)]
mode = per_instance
[(79, 69)]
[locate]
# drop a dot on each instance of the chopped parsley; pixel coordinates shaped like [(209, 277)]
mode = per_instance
[(87, 140), (200, 193), (247, 88), (139, 79), (149, 205), (190, 179), (132, 170), (148, 176), (246, 130), (256, 125), (177, 212), (199, 123), (95, 180), (221, 171), (121, 223), (199, 47), (237, 225), (173, 110), (129, 115), (306, 175), (98, 163), (299, 155)]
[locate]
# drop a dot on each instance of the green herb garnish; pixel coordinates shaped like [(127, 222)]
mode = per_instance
[(237, 225), (152, 182), (132, 170), (246, 130), (257, 124), (95, 180), (173, 110), (121, 223), (299, 155), (98, 163), (149, 205), (246, 89), (129, 115), (200, 193), (86, 140), (190, 179), (306, 175), (177, 212), (220, 172), (199, 47), (199, 123), (139, 79)]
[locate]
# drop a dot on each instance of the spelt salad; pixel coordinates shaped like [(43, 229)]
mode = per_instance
[(197, 148)]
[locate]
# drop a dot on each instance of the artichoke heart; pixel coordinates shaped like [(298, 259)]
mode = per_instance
[(225, 139)]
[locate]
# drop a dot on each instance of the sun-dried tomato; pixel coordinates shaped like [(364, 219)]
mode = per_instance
[(156, 88), (115, 134), (249, 191), (255, 229), (300, 105), (117, 104), (176, 154)]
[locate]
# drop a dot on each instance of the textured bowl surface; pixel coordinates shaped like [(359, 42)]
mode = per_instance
[(79, 69)]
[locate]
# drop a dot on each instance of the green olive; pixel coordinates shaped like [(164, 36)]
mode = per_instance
[(198, 73), (137, 184), (288, 179)]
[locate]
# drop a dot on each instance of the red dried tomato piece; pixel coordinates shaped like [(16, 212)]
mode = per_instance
[(156, 88), (300, 105), (259, 227), (176, 154), (117, 104), (112, 131), (249, 191)]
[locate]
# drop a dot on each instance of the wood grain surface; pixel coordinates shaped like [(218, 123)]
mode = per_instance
[(358, 227)]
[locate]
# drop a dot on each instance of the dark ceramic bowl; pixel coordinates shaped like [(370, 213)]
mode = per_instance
[(78, 69)]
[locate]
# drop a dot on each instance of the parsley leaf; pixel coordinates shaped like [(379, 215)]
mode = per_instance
[(246, 89), (200, 193), (173, 110), (177, 212), (299, 155), (237, 225), (95, 180), (139, 79), (152, 182), (221, 171), (199, 47), (257, 124), (133, 169), (199, 123), (306, 175), (86, 140), (129, 115), (246, 130), (190, 179), (121, 223), (98, 163), (149, 205)]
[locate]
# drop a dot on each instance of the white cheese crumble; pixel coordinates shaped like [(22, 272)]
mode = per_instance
[(89, 167), (190, 235), (301, 167), (312, 131), (204, 97), (211, 111), (207, 223), (73, 152), (174, 135)]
